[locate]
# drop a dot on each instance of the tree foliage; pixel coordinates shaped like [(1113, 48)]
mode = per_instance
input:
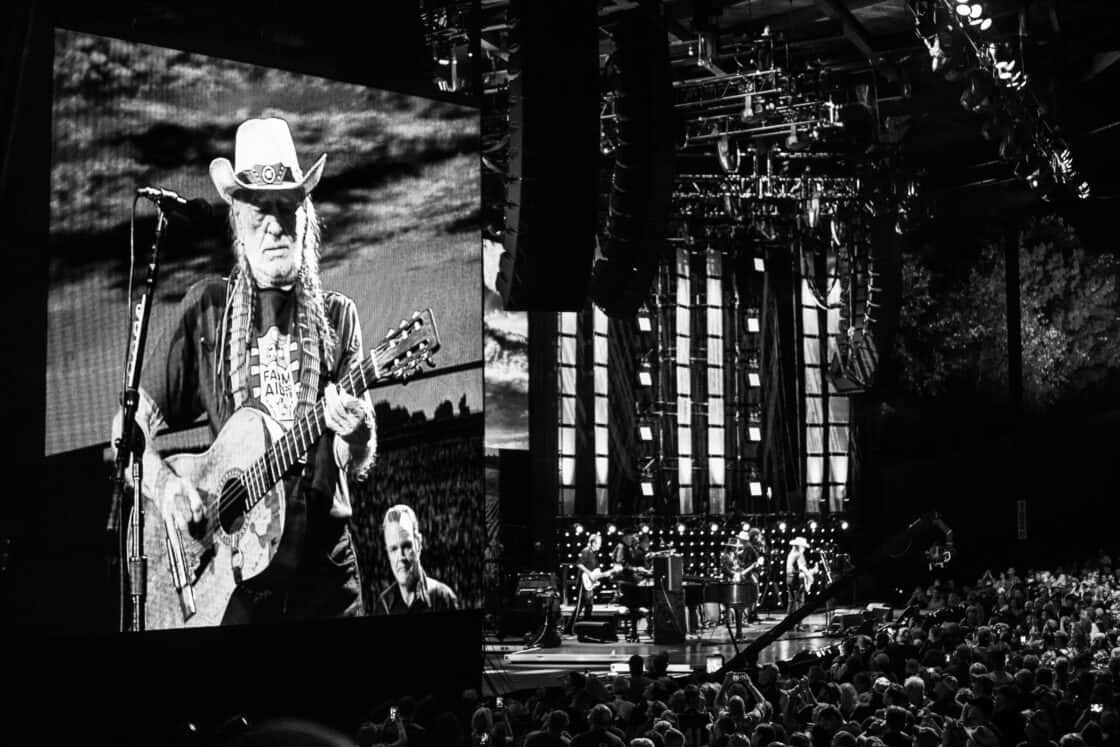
[(952, 337)]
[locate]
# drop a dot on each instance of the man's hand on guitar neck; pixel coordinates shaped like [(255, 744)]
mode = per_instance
[(348, 416)]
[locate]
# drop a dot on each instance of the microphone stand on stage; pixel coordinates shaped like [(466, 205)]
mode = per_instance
[(130, 446)]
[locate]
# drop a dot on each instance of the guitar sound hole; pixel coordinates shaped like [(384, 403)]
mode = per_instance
[(231, 513)]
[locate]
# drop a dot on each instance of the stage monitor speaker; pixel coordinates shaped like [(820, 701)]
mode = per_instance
[(596, 631), (668, 571), (668, 617)]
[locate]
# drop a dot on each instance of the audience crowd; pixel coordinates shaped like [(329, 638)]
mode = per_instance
[(440, 477), (1029, 660)]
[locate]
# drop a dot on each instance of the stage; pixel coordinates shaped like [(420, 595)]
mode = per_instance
[(510, 666)]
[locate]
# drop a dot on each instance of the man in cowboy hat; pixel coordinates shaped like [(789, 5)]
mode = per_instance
[(269, 337), (799, 577)]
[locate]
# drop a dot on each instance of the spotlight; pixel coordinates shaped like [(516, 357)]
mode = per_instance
[(964, 10), (611, 529), (713, 528), (645, 324), (728, 154), (578, 528), (752, 320), (781, 526), (844, 525), (680, 528), (746, 526), (645, 528), (813, 526), (976, 10)]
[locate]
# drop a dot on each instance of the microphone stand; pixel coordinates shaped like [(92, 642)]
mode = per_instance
[(130, 446)]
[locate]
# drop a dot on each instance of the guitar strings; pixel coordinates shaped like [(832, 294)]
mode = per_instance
[(243, 493)]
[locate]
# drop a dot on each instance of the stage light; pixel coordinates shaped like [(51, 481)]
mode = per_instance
[(713, 528), (611, 529), (752, 320), (813, 526), (645, 432), (844, 525), (964, 10), (680, 528), (976, 10), (578, 529), (645, 324), (746, 527), (645, 528), (781, 526), (759, 264), (728, 155)]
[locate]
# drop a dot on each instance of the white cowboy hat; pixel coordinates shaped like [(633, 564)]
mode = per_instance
[(264, 160), (799, 542)]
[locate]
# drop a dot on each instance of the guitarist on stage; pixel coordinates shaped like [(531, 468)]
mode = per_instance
[(589, 577), (799, 576), (268, 337), (751, 560)]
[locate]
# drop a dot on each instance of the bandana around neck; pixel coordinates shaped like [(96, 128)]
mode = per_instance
[(243, 307)]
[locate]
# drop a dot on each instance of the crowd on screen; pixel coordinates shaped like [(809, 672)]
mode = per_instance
[(1028, 660), (441, 479)]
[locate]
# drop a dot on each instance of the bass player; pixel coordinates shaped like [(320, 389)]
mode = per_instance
[(268, 337)]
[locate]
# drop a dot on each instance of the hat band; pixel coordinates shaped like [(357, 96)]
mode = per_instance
[(275, 173)]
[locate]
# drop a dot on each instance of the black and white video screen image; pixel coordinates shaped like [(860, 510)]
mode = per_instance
[(311, 385)]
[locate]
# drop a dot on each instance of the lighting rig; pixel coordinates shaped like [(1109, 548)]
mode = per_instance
[(965, 44), (445, 25)]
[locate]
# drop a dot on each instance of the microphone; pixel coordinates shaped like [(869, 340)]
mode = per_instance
[(171, 202)]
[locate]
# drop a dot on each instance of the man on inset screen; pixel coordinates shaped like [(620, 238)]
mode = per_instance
[(414, 590), (266, 339)]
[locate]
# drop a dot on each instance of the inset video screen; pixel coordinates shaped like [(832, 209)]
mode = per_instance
[(320, 247)]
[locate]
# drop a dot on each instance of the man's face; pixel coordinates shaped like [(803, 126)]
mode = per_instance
[(402, 543), (272, 228)]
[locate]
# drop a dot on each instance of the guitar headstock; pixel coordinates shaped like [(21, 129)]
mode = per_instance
[(408, 347)]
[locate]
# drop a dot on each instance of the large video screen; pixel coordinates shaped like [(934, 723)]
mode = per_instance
[(292, 469)]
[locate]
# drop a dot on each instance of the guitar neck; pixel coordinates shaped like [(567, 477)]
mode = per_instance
[(293, 445)]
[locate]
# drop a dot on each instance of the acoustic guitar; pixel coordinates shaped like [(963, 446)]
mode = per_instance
[(243, 480)]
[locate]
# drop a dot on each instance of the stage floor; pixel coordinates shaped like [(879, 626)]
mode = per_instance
[(509, 666)]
